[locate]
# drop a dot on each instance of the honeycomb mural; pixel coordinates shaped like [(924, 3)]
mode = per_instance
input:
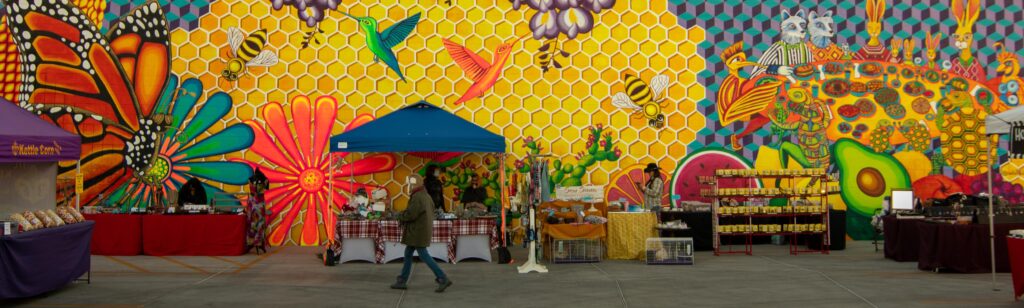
[(559, 106)]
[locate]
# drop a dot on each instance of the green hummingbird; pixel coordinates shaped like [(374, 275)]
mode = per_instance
[(380, 43)]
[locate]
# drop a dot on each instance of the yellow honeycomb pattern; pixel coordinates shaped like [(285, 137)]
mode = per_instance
[(640, 37)]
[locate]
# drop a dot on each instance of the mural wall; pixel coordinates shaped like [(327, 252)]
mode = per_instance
[(891, 94)]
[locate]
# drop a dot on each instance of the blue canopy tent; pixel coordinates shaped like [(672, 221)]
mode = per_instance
[(422, 128)]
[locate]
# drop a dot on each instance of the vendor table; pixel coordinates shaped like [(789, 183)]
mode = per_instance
[(962, 248), (628, 233), (699, 224), (194, 235), (474, 238), (902, 238), (1015, 249), (358, 239), (116, 234), (389, 246), (41, 261)]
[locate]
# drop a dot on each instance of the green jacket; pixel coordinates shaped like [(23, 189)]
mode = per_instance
[(418, 220)]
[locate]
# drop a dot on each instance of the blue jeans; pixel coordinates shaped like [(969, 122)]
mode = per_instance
[(425, 257)]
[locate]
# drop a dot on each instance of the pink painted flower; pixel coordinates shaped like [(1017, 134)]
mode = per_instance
[(298, 166)]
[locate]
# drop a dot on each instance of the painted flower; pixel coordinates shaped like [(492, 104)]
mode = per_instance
[(182, 151), (544, 25), (298, 167), (598, 5), (574, 21)]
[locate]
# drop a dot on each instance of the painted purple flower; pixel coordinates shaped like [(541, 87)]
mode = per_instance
[(541, 5), (574, 21), (544, 25), (565, 4), (598, 5)]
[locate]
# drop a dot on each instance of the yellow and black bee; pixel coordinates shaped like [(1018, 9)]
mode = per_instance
[(246, 52), (644, 101)]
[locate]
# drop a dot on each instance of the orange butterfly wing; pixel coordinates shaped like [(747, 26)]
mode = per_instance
[(140, 37), (72, 77)]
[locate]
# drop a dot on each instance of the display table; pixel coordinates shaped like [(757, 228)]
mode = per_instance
[(358, 239), (1015, 253), (474, 238), (902, 238), (699, 224), (116, 234), (962, 248), (390, 247), (41, 261), (628, 233), (194, 235)]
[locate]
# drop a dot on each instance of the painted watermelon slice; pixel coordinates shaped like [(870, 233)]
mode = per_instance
[(704, 162), (622, 185)]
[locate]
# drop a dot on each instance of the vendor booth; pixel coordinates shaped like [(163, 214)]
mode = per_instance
[(42, 258), (420, 128)]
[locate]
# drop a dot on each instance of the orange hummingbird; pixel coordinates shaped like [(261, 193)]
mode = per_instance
[(484, 74)]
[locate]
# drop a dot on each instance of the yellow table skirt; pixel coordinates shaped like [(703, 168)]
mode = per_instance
[(628, 233)]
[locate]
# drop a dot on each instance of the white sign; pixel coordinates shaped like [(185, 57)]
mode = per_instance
[(588, 193)]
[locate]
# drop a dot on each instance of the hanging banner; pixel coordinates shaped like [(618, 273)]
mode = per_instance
[(1017, 140)]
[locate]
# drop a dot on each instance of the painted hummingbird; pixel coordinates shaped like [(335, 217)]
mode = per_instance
[(380, 43), (483, 74)]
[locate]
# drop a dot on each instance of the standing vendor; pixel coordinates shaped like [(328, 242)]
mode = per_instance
[(434, 186), (475, 195), (654, 187)]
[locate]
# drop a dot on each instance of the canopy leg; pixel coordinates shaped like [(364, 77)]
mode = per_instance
[(991, 217)]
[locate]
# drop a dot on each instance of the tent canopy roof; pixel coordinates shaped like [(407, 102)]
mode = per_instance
[(24, 137), (999, 124), (420, 127)]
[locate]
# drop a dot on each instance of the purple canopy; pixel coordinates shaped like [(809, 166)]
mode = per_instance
[(24, 137)]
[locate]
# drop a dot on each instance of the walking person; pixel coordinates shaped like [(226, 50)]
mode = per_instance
[(417, 226)]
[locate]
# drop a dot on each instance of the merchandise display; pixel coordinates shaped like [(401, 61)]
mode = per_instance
[(744, 212)]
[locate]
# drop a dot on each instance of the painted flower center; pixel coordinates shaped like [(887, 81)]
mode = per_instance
[(158, 171), (311, 180), (871, 182)]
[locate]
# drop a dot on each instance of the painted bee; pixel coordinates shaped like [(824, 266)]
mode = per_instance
[(644, 101), (245, 52)]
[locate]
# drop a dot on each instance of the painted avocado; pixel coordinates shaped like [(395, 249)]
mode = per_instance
[(866, 178)]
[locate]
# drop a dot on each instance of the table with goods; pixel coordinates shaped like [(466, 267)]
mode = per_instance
[(744, 213), (952, 239), (1015, 253), (379, 240), (42, 251), (188, 230)]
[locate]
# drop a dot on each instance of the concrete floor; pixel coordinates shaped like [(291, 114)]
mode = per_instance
[(857, 277)]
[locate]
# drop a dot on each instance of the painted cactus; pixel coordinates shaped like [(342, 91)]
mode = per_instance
[(600, 147)]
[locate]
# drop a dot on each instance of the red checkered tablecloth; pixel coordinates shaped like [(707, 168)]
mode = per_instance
[(391, 231), (356, 229), (483, 226)]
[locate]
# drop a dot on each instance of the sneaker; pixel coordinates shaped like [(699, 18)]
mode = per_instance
[(400, 284), (443, 284)]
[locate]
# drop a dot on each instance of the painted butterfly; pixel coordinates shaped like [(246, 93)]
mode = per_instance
[(105, 88)]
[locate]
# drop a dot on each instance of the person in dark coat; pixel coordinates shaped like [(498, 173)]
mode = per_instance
[(192, 192), (417, 227), (435, 187)]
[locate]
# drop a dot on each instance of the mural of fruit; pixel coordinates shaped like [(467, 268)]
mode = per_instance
[(704, 162), (935, 187), (963, 141), (867, 178), (916, 163), (622, 185)]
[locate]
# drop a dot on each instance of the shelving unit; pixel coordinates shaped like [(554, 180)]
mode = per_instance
[(743, 212)]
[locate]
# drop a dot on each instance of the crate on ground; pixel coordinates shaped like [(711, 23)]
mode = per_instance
[(576, 251), (669, 250)]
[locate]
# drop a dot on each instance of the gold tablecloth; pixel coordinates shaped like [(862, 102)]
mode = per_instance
[(628, 233)]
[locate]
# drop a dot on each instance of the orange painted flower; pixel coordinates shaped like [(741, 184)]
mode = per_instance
[(297, 164)]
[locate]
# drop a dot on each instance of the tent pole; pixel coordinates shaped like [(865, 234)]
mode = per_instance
[(991, 216), (78, 196), (502, 194)]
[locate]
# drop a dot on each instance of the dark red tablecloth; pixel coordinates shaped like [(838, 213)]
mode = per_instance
[(116, 234), (901, 238), (194, 235), (40, 261), (1016, 254), (962, 248)]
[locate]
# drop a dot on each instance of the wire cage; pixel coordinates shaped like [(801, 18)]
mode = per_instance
[(576, 251), (669, 250)]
